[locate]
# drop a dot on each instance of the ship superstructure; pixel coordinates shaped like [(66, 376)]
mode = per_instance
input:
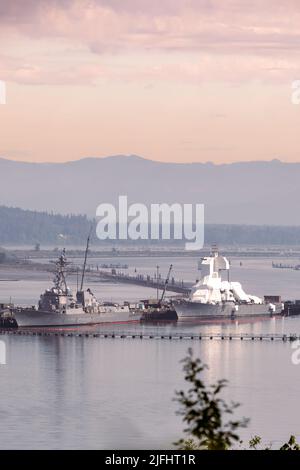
[(58, 307), (215, 295)]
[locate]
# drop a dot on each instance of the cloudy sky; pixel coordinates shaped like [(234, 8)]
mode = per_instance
[(170, 80)]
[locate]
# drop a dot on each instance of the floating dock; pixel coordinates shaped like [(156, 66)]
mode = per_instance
[(144, 280), (153, 335)]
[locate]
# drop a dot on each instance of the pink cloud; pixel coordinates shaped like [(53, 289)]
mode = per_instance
[(39, 73), (176, 24), (232, 40)]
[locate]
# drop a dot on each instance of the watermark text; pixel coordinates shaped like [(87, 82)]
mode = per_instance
[(158, 222), (2, 92), (295, 97), (2, 353)]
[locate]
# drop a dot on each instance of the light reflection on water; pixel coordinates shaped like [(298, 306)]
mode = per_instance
[(78, 392), (62, 392)]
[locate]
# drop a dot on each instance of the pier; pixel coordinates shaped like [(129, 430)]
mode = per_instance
[(284, 266), (154, 335), (144, 280)]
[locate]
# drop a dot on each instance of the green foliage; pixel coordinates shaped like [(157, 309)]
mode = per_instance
[(189, 444), (254, 442), (205, 412), (290, 445)]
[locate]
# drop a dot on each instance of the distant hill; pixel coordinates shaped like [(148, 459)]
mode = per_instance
[(24, 227), (238, 193)]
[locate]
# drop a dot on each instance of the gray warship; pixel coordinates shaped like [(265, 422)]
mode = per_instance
[(58, 307)]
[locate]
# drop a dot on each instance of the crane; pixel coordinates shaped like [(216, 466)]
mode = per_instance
[(166, 283)]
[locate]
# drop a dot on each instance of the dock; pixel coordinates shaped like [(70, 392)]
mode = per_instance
[(284, 266), (179, 287), (154, 335)]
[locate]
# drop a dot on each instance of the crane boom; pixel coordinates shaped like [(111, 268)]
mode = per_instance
[(166, 283)]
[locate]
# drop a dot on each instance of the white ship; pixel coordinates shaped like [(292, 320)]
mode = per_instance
[(214, 297)]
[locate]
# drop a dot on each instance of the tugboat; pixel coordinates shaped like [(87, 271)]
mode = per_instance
[(58, 307), (153, 311), (212, 297), (159, 309)]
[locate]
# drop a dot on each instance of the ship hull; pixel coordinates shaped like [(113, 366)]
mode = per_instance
[(34, 318), (187, 310)]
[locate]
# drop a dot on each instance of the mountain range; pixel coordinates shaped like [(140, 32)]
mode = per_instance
[(258, 192)]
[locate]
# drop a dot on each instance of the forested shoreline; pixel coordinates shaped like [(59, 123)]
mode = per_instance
[(26, 227)]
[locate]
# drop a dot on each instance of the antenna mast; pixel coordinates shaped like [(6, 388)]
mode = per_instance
[(85, 258)]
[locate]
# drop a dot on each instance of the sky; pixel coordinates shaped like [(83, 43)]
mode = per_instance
[(169, 80)]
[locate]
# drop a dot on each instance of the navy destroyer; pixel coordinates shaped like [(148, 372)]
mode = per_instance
[(58, 307), (213, 297)]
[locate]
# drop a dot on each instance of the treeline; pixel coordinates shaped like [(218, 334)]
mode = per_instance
[(25, 227), (260, 235)]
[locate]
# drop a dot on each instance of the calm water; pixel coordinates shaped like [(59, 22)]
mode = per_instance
[(104, 393)]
